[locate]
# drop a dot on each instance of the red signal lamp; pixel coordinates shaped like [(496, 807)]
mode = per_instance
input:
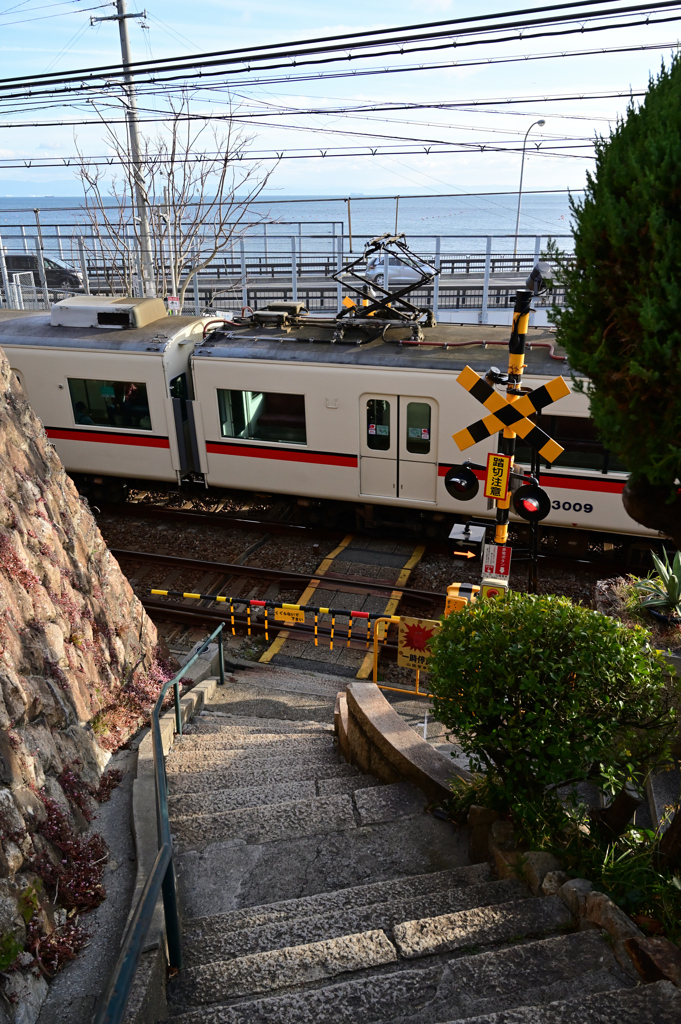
[(462, 483), (531, 502)]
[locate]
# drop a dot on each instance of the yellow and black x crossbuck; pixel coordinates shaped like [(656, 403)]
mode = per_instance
[(511, 415)]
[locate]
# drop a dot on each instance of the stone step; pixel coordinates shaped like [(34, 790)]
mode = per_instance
[(343, 784), (535, 973), (267, 773), (185, 805), (235, 740), (196, 761), (283, 968), (289, 820), (218, 721), (201, 948), (481, 927), (397, 889), (659, 1003)]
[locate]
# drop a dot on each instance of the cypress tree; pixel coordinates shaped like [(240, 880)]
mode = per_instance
[(621, 325)]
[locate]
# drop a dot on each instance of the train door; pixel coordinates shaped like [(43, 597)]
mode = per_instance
[(417, 446), (398, 448), (379, 424)]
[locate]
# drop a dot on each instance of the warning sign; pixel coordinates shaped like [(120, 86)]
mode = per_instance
[(496, 478), (174, 304), (496, 561), (289, 615), (413, 641)]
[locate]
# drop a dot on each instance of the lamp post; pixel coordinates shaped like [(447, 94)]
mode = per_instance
[(520, 186)]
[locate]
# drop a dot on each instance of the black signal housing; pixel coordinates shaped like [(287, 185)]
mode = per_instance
[(462, 483)]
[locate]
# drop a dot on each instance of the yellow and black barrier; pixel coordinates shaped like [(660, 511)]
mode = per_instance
[(287, 614)]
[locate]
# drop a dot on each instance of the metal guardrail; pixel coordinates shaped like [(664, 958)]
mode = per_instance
[(161, 878)]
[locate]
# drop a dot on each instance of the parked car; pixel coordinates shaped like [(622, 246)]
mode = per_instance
[(57, 273), (399, 273)]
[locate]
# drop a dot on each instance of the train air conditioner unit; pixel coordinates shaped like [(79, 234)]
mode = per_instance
[(106, 311)]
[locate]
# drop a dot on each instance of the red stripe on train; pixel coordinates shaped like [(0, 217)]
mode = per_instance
[(88, 435), (571, 483), (319, 458)]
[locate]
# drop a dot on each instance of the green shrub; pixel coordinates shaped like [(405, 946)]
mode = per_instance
[(541, 693)]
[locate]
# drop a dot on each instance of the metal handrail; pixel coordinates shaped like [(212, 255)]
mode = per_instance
[(161, 878)]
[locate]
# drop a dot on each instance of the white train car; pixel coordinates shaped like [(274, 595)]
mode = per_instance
[(374, 422), (129, 394), (109, 380)]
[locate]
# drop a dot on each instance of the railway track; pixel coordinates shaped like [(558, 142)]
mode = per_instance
[(346, 585), (276, 521)]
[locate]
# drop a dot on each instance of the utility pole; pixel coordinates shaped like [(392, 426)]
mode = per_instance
[(147, 260)]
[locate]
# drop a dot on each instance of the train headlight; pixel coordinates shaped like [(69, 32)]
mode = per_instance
[(532, 503), (462, 483)]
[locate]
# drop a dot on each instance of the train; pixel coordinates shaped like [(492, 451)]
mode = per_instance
[(278, 402)]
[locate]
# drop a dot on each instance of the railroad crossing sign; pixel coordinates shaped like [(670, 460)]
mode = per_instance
[(511, 414)]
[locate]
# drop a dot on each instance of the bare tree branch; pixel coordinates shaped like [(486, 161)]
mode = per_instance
[(208, 206)]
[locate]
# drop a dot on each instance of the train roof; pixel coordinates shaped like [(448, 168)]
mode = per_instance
[(478, 346), (31, 329)]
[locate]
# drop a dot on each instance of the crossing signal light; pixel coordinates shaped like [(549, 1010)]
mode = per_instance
[(462, 483), (532, 503)]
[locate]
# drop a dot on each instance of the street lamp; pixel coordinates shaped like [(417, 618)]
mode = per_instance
[(520, 187)]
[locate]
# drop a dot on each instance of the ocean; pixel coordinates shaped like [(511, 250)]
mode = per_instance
[(461, 222)]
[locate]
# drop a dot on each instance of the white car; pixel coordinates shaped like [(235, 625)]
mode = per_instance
[(399, 272)]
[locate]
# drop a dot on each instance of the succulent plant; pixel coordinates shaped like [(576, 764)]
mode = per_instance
[(662, 591)]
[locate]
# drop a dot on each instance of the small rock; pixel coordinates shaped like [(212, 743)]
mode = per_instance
[(13, 856), (536, 866), (26, 994), (655, 959), (553, 881), (501, 835), (573, 895), (601, 910), (112, 865)]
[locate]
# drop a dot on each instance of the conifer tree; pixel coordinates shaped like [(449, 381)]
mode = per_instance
[(621, 325)]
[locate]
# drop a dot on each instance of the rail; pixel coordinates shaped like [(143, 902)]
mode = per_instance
[(161, 878)]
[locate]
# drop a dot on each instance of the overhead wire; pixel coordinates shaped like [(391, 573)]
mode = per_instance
[(200, 63), (273, 111)]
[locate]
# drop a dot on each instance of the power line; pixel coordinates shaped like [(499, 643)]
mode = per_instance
[(294, 52), (47, 17), (324, 152), (168, 87), (275, 111)]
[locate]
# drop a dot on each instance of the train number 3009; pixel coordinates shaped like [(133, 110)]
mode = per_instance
[(576, 506)]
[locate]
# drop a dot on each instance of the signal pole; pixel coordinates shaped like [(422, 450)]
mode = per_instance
[(141, 201), (516, 365)]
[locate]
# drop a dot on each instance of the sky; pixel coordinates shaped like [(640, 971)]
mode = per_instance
[(56, 35)]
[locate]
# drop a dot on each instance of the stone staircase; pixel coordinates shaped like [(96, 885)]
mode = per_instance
[(312, 894)]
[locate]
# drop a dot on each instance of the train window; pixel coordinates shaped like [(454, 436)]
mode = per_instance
[(583, 449), (110, 403), (262, 416), (378, 424), (418, 428), (178, 389)]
